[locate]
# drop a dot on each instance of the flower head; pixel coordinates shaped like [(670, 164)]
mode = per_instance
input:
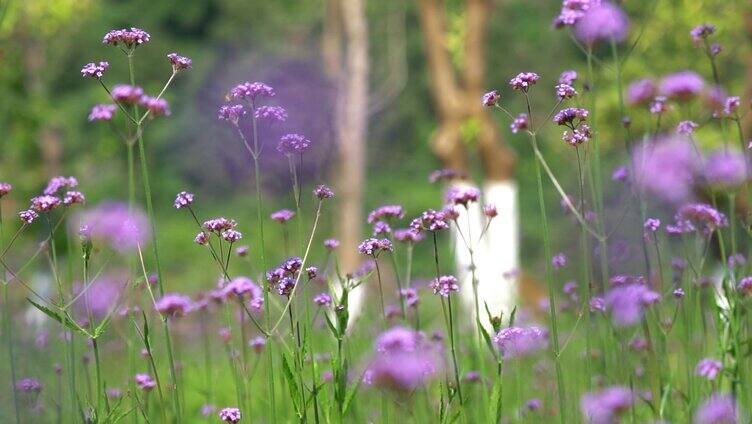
[(73, 198), (230, 415), (45, 203), (565, 91), (323, 192), (682, 86), (430, 220), (665, 168), (95, 70), (373, 247), (697, 217), (573, 10), (490, 211), (5, 188), (403, 361), (231, 113), (627, 302), (686, 127), (708, 368), (445, 285), (131, 38), (102, 112), (640, 92), (183, 199), (386, 212), (28, 216), (282, 216), (174, 305), (568, 77), (331, 244), (56, 183), (251, 91), (156, 107), (491, 98), (725, 169), (515, 342), (520, 123), (731, 105), (231, 235), (717, 409), (462, 195), (127, 94), (118, 225), (652, 224), (445, 174), (605, 406), (606, 22), (178, 62), (271, 114), (28, 385), (293, 143), (559, 260), (408, 235), (322, 299), (145, 382), (701, 32), (570, 115), (745, 286), (523, 81)]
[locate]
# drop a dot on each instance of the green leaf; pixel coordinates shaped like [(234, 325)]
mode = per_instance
[(65, 319), (512, 316), (291, 383), (329, 324)]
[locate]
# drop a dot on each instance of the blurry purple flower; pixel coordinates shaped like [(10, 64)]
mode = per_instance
[(293, 143), (156, 107), (523, 81), (373, 247), (331, 244), (491, 98), (174, 305), (271, 114), (73, 198), (715, 49), (56, 183), (411, 296), (145, 382), (604, 407), (678, 293), (231, 113), (131, 38), (638, 343), (128, 94), (533, 405), (402, 362), (731, 105), (652, 224), (686, 127), (697, 217), (682, 86), (446, 174), (490, 211), (207, 410), (218, 225), (559, 260), (620, 173), (323, 192), (725, 169), (568, 77), (118, 225), (606, 22), (179, 62), (201, 238), (258, 344), (322, 299), (5, 188), (702, 32), (381, 227), (28, 385), (445, 285), (183, 199), (745, 286), (640, 92), (312, 272), (251, 90), (708, 368), (242, 251), (408, 235), (627, 302), (565, 91), (45, 203), (99, 297), (114, 393), (243, 287), (230, 415), (659, 105), (28, 216), (430, 220), (516, 342), (573, 10), (285, 286), (102, 112), (95, 70), (462, 195), (386, 212), (717, 409), (665, 168), (283, 215), (520, 123)]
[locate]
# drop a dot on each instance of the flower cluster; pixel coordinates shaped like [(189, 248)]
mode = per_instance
[(607, 405), (491, 98), (386, 212), (231, 113), (445, 285), (573, 10), (131, 38), (283, 277), (293, 143), (516, 342), (575, 119), (430, 220), (174, 305), (282, 216), (179, 62), (462, 195), (520, 123), (524, 80), (183, 199), (403, 361), (95, 70), (271, 114), (251, 91), (699, 217), (373, 247), (102, 112), (145, 382), (230, 415)]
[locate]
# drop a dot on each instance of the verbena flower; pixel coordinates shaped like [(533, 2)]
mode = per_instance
[(430, 220), (410, 294), (381, 227), (386, 212), (179, 62), (218, 225), (282, 216), (28, 385), (271, 114), (445, 285), (257, 344), (698, 217), (605, 406), (230, 415), (323, 192), (573, 10), (678, 293), (520, 123), (682, 86), (627, 302), (462, 195), (731, 105), (45, 203), (373, 247), (408, 235), (717, 409), (156, 107), (446, 174), (725, 169), (183, 199), (95, 70), (565, 91), (652, 224), (523, 81), (201, 238), (686, 127), (620, 173), (73, 198), (403, 361), (641, 92), (516, 342), (231, 235), (127, 94), (597, 304), (708, 368), (745, 286), (606, 22), (5, 188), (490, 210), (559, 260), (28, 216), (174, 305), (293, 143), (145, 382), (665, 168), (231, 113), (491, 98), (102, 112), (322, 299), (118, 225), (57, 183), (568, 77), (331, 244), (571, 115), (242, 251), (131, 38), (251, 91), (701, 32)]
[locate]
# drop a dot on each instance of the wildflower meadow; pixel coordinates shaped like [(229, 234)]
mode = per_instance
[(131, 305)]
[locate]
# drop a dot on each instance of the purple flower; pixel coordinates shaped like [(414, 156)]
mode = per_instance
[(606, 22), (331, 244), (604, 407), (218, 225), (640, 92), (745, 286), (573, 10), (322, 299), (627, 302), (708, 368), (95, 70), (179, 63), (242, 251), (145, 382), (652, 224), (251, 90), (28, 385), (118, 225), (533, 405), (678, 293), (686, 127), (201, 238), (520, 123), (128, 94), (715, 49), (231, 113), (569, 115), (446, 174), (386, 212), (73, 198), (717, 409), (461, 195), (293, 143), (682, 86), (230, 415), (131, 38), (373, 247), (5, 188), (620, 173), (725, 169), (568, 77), (271, 114), (283, 215), (257, 343), (312, 272), (731, 105), (665, 168), (285, 286), (45, 203), (565, 91), (156, 107), (517, 342), (697, 217), (174, 305), (28, 216), (659, 105), (597, 304), (244, 287), (702, 32), (56, 183), (491, 98), (323, 192), (523, 81), (381, 227), (102, 112), (411, 296), (559, 261), (490, 211), (231, 235), (445, 285), (183, 199), (402, 361), (430, 220), (408, 235)]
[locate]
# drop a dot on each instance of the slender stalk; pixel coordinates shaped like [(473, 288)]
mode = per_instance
[(9, 330), (381, 291)]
